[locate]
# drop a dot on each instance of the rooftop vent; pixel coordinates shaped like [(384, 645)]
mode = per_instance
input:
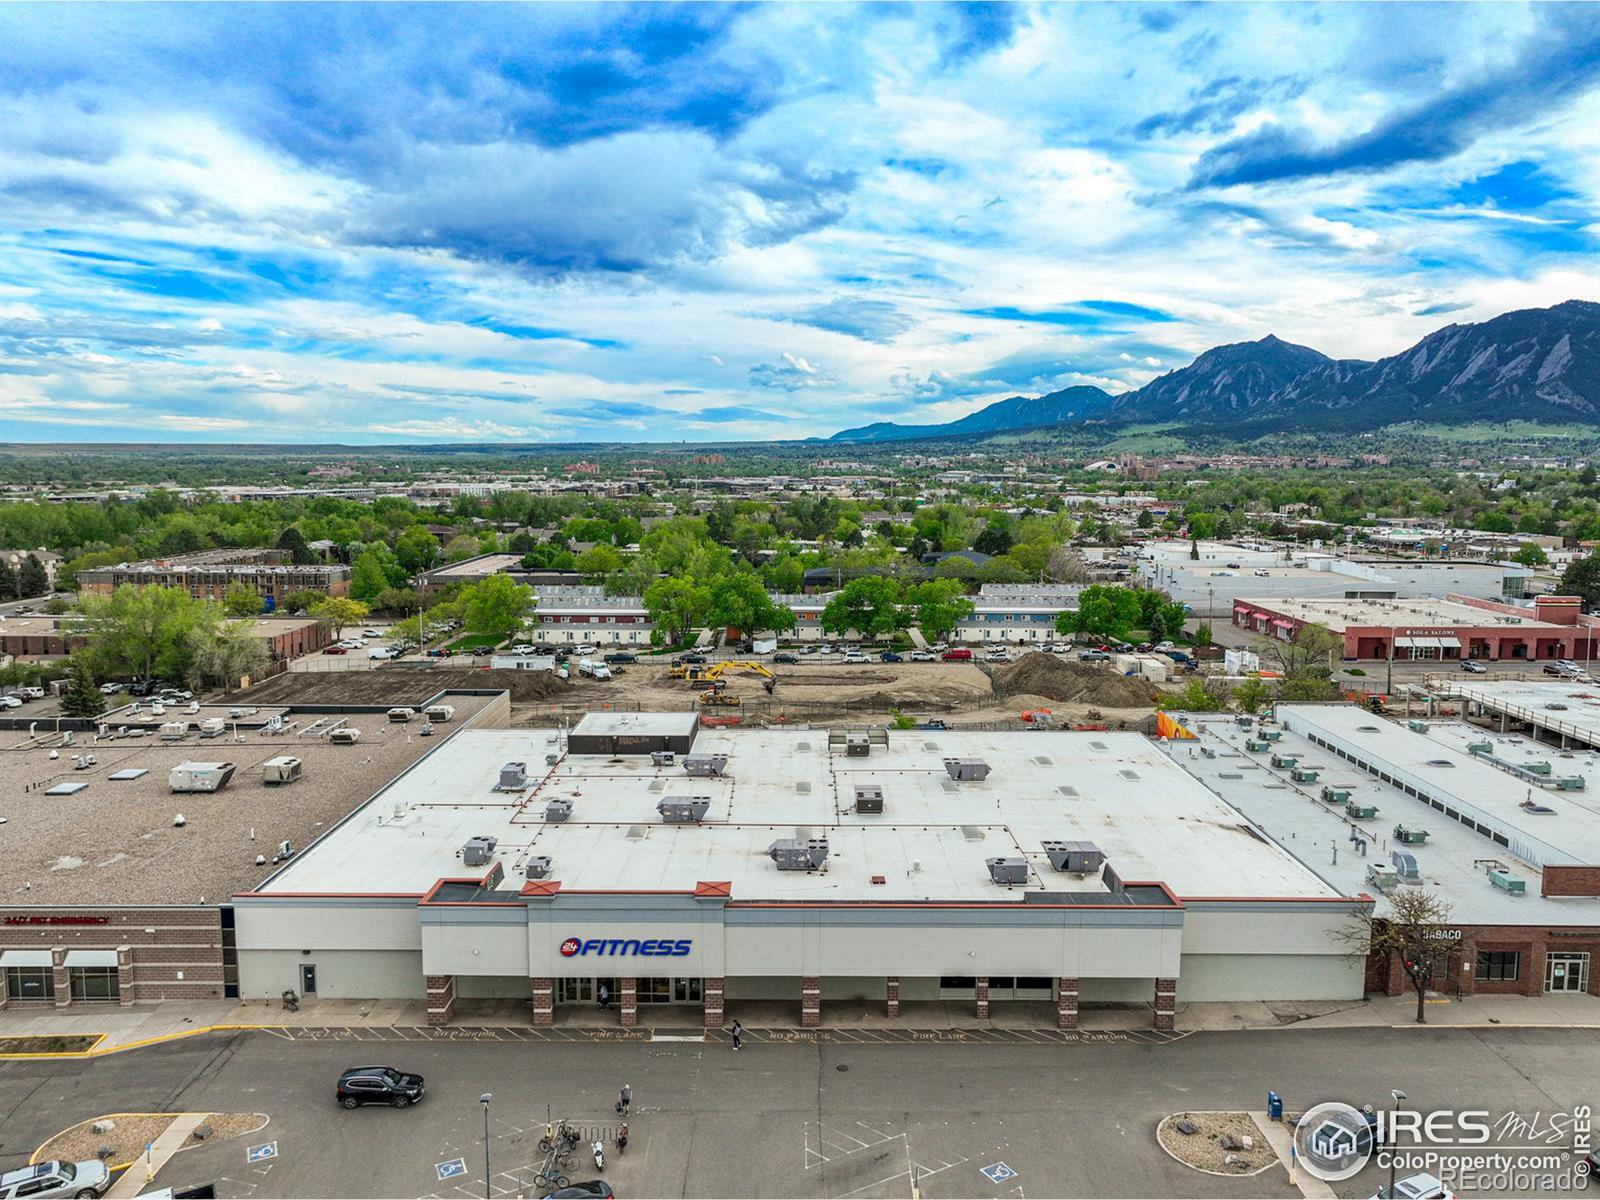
[(513, 777), (799, 854), (704, 766), (1077, 858), (966, 770), (869, 798), (1008, 870), (538, 867), (478, 851), (558, 811), (684, 810), (662, 758), (1405, 866), (857, 745)]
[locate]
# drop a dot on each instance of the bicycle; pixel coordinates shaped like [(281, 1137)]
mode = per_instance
[(548, 1180), (563, 1138)]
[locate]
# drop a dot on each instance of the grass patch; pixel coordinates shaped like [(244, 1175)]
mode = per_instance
[(474, 641), (55, 1043), (1485, 432), (1354, 671)]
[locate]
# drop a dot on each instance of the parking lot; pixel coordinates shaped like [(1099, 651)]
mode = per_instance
[(797, 1119)]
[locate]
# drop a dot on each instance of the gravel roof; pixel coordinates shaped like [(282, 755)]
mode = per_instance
[(114, 842)]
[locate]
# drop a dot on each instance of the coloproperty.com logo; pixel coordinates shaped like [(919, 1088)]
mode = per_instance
[(1469, 1149)]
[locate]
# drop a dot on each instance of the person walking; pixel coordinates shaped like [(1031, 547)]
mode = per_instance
[(625, 1099), (738, 1034), (605, 996), (622, 1138)]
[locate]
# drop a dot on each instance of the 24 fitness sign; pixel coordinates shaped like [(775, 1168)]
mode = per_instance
[(1469, 1150), (621, 947)]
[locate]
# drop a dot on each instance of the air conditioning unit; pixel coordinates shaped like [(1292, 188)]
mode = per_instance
[(538, 867), (683, 810), (1075, 858), (478, 851), (283, 769), (869, 798), (200, 776), (345, 737), (213, 727), (662, 758), (400, 715), (704, 766), (857, 745), (1008, 870), (966, 770), (513, 777), (558, 811), (799, 854)]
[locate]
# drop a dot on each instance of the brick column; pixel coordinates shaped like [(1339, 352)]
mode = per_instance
[(5, 998), (441, 999), (1166, 1005), (1464, 969), (544, 1001), (125, 992), (711, 989), (1067, 1004), (810, 1002), (891, 1005), (630, 1000), (981, 1011), (63, 981), (1532, 976)]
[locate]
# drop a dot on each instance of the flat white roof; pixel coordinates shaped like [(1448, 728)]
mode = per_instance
[(1338, 615), (1453, 859), (1561, 706), (1117, 790), (636, 724)]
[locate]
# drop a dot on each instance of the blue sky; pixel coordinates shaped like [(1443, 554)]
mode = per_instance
[(285, 223)]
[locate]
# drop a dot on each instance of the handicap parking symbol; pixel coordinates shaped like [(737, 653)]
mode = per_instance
[(998, 1172), (261, 1153), (449, 1170)]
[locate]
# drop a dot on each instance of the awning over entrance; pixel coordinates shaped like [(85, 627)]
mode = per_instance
[(1450, 643), (25, 958), (91, 958), (1426, 643)]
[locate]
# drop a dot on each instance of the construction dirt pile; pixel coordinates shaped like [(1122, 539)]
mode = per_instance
[(1039, 674), (402, 685)]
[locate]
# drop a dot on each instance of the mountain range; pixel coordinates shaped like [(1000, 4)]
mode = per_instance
[(1536, 364)]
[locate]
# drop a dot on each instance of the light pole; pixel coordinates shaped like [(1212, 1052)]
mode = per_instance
[(1398, 1096), (484, 1100)]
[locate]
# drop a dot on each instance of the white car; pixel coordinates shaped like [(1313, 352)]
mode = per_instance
[(110, 689), (1421, 1186), (31, 693), (855, 656), (923, 656), (382, 652), (824, 649), (10, 701), (998, 656), (370, 633)]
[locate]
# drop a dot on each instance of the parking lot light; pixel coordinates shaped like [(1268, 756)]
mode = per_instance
[(485, 1100)]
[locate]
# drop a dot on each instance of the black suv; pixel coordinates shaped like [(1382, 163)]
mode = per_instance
[(378, 1085)]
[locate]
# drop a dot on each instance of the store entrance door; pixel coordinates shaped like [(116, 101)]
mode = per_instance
[(1566, 972), (574, 991)]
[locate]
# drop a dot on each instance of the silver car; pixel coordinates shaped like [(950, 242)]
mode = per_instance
[(45, 1180)]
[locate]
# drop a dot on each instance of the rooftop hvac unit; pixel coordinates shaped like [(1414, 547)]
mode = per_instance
[(1008, 870), (1410, 837), (1417, 726), (558, 811), (1405, 866), (213, 727), (966, 770), (1569, 783), (1076, 858), (1382, 876), (200, 776), (283, 769), (662, 758), (1507, 882), (400, 715), (1360, 812), (478, 851), (704, 766), (799, 854), (171, 731), (683, 810), (345, 737), (857, 745), (869, 798), (440, 713), (539, 867), (513, 777)]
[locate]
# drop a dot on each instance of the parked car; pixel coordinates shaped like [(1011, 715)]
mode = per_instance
[(890, 656), (141, 687), (31, 693), (345, 650), (1416, 1187), (824, 649), (110, 689), (622, 656), (959, 654), (695, 657), (591, 1189), (1093, 656), (10, 701), (924, 656), (382, 652), (855, 656), (378, 1085), (783, 656), (998, 656), (1473, 667), (41, 1181)]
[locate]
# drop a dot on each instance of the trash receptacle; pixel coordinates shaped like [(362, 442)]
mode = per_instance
[(1274, 1106)]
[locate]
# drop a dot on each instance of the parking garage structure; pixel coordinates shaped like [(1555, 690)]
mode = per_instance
[(807, 867)]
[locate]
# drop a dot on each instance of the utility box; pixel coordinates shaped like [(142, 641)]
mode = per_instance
[(283, 769), (1304, 774), (1569, 783), (1076, 858), (1382, 876), (400, 715), (538, 867), (171, 731), (684, 810), (869, 798), (1285, 760), (798, 854), (200, 776), (1257, 745), (1507, 882), (213, 727), (513, 777), (478, 851), (558, 811), (1360, 812), (704, 766), (662, 758), (1271, 735), (966, 770), (1417, 726), (1335, 795), (1410, 837), (857, 745), (1008, 870), (439, 714)]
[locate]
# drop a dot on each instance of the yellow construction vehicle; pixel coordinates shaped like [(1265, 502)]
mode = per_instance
[(713, 672), (716, 696)]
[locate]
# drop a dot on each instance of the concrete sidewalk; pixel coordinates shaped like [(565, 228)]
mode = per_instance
[(137, 1177), (139, 1025)]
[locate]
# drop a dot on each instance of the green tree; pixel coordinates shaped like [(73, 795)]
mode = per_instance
[(367, 576), (1200, 694), (939, 605), (1169, 620), (599, 561), (397, 600), (676, 605), (1419, 928), (336, 612), (1106, 610), (1582, 578), (871, 605), (292, 540), (741, 602), (8, 582), (460, 547), (31, 578), (1306, 664), (1530, 554), (1146, 519), (995, 539), (82, 698), (230, 653), (417, 549), (1252, 695), (1202, 635), (496, 606), (301, 601), (136, 630), (240, 601), (1194, 549)]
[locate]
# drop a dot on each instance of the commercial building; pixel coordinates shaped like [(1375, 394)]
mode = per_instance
[(208, 575), (290, 637), (1566, 714), (1553, 627), (38, 637), (799, 865), (115, 889), (1503, 832)]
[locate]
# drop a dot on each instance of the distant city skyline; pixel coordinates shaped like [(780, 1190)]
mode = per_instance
[(353, 223)]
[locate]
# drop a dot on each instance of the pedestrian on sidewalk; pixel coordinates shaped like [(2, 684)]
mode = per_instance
[(738, 1034), (622, 1139), (605, 996), (625, 1099)]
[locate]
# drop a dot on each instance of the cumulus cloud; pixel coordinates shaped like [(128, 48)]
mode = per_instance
[(792, 374)]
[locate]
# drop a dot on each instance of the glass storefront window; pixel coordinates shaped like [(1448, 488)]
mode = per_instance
[(94, 983), (30, 983)]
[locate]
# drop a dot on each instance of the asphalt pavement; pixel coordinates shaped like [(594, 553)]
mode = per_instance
[(781, 1120)]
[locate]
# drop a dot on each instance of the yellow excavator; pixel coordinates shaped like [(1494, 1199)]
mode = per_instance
[(713, 672)]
